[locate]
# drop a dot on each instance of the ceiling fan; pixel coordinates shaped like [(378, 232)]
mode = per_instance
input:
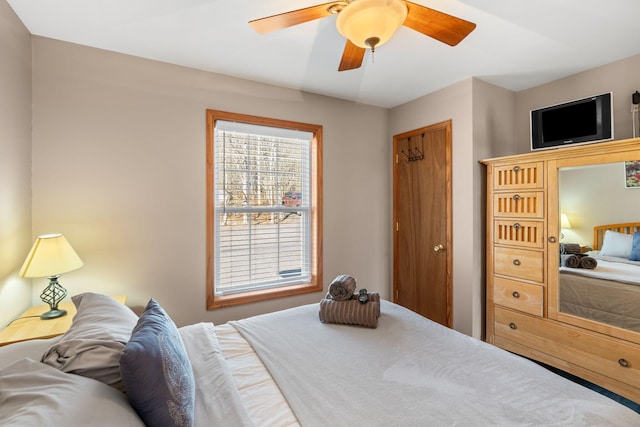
[(371, 23)]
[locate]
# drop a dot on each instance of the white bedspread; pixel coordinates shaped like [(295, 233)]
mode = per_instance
[(413, 372), (217, 402), (260, 395)]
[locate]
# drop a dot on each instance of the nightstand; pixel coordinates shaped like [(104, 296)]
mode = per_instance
[(29, 326)]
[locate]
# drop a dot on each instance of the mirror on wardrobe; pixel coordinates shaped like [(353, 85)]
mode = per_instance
[(597, 281)]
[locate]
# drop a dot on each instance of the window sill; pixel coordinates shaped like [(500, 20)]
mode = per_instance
[(220, 301)]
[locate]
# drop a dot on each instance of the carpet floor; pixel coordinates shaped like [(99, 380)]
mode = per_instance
[(626, 402)]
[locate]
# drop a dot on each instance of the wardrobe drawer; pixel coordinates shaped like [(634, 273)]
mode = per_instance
[(519, 263), (602, 354), (520, 233), (518, 176), (525, 204), (519, 296)]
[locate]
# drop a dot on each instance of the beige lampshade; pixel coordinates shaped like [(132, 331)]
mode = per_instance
[(564, 221), (363, 20), (50, 255)]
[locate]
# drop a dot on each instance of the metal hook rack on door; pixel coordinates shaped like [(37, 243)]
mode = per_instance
[(415, 154)]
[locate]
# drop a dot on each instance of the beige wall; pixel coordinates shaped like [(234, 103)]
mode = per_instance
[(482, 119), (489, 121), (594, 197), (493, 135), (452, 103), (15, 163), (119, 168), (620, 77)]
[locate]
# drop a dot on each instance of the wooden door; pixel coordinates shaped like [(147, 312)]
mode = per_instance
[(422, 264)]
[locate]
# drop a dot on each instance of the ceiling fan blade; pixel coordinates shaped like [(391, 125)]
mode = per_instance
[(289, 19), (441, 26), (351, 57)]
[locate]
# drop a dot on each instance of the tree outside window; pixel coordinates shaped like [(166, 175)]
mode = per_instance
[(263, 208)]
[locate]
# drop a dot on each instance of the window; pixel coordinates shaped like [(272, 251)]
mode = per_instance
[(264, 210)]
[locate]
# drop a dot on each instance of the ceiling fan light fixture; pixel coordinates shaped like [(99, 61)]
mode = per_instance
[(364, 20)]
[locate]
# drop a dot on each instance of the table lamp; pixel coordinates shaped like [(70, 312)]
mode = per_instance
[(51, 256)]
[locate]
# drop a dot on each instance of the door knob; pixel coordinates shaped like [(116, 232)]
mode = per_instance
[(438, 248)]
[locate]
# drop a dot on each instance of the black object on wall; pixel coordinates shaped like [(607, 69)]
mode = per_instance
[(581, 121)]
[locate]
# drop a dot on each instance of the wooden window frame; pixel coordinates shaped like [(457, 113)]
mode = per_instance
[(315, 284)]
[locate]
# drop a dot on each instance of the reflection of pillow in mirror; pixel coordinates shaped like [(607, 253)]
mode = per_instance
[(615, 259), (616, 244), (635, 248)]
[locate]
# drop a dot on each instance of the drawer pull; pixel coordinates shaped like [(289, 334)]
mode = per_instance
[(552, 239), (516, 226), (623, 362), (513, 326), (516, 262), (515, 294), (516, 197), (516, 168)]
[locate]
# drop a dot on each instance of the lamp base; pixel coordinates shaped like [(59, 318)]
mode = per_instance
[(52, 295), (53, 314)]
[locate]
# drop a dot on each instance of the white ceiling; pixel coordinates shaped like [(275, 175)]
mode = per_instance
[(517, 43)]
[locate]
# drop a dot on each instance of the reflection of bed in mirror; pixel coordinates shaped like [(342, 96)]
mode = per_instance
[(610, 293)]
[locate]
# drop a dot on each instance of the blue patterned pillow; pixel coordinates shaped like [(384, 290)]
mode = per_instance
[(635, 247), (156, 371)]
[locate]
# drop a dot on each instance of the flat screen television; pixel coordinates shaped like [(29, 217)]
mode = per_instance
[(577, 122)]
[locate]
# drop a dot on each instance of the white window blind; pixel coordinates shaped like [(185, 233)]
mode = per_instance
[(262, 207)]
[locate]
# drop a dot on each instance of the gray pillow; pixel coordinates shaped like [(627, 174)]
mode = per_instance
[(92, 346), (35, 394)]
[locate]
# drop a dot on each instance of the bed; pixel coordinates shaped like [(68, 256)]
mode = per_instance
[(283, 369), (609, 293)]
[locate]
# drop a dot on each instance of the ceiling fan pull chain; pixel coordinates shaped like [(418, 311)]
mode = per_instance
[(372, 42)]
